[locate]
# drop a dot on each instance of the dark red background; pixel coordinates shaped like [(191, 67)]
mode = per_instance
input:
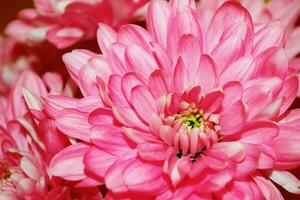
[(9, 10)]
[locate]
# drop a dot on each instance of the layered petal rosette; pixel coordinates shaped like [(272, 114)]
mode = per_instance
[(180, 112), (285, 11), (66, 22), (28, 141)]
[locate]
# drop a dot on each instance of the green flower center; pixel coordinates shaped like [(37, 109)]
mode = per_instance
[(193, 120)]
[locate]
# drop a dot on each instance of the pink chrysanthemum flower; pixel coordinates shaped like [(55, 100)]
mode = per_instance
[(286, 11), (28, 141), (66, 22), (185, 113)]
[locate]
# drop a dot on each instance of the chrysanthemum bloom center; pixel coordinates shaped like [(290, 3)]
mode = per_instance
[(5, 174), (193, 129)]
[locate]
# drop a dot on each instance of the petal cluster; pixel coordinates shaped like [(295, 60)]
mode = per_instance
[(193, 100), (183, 111), (66, 22)]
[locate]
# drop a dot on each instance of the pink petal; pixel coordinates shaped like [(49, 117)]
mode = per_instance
[(140, 60), (157, 21), (287, 150), (25, 187), (286, 180), (189, 50), (229, 15), (145, 178), (273, 62), (110, 139), (180, 170), (162, 57), (53, 139), (240, 70), (66, 120), (152, 151), (289, 92), (167, 134), (212, 101), (75, 60), (68, 163), (259, 132), (123, 111), (234, 150), (233, 92), (101, 116), (181, 79), (132, 34), (143, 102), (270, 35), (157, 84), (105, 36), (98, 161), (182, 21), (267, 188), (207, 69), (53, 104), (129, 81), (116, 58), (233, 118), (30, 168), (63, 37), (226, 52), (53, 81), (114, 179)]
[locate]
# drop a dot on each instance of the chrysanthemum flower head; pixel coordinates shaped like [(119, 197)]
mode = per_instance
[(185, 113), (29, 139), (66, 22)]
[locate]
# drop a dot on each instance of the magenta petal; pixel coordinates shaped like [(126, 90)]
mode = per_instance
[(233, 118), (110, 139), (213, 101), (68, 163), (271, 34), (267, 188), (152, 151), (183, 20), (207, 69), (189, 50), (289, 93), (157, 20), (145, 178), (105, 36), (287, 150), (66, 120), (133, 34), (101, 116), (140, 60), (98, 161), (157, 84), (181, 79), (259, 132), (233, 92), (143, 102)]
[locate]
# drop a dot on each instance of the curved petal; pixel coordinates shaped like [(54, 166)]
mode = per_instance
[(233, 118), (68, 163)]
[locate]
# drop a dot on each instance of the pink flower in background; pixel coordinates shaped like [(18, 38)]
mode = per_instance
[(286, 11), (29, 139), (66, 22), (14, 58), (182, 111)]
